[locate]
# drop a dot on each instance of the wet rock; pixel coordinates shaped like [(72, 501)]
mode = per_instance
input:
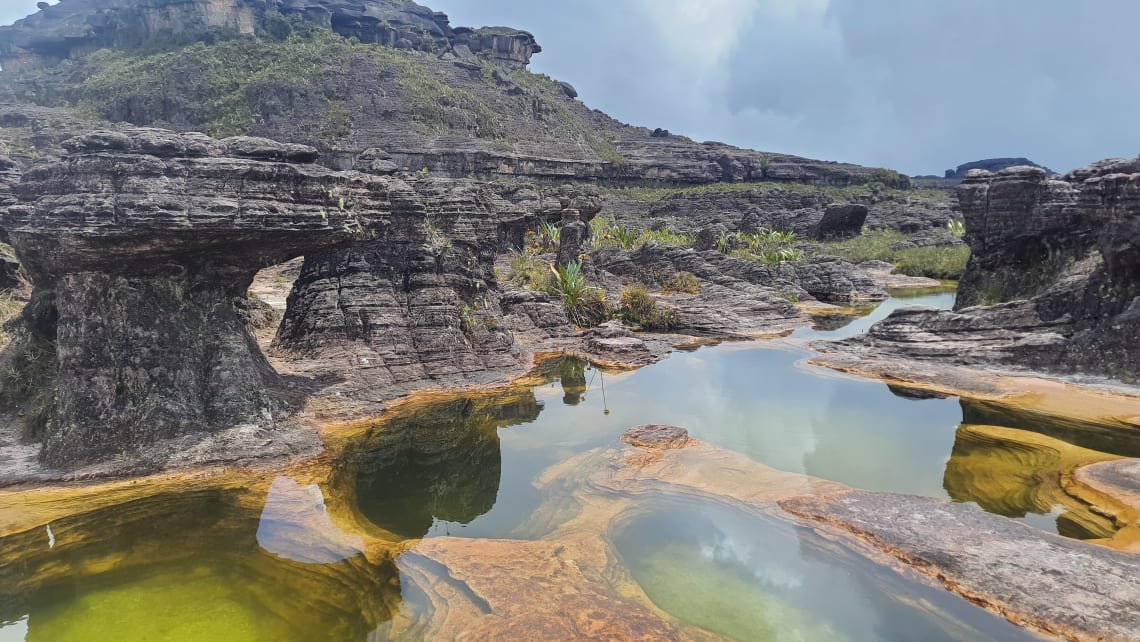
[(1035, 578), (656, 437)]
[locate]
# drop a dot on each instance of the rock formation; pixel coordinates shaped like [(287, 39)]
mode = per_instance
[(993, 165), (138, 244), (75, 28), (416, 300), (1061, 259)]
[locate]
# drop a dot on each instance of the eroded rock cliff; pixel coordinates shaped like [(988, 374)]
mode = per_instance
[(1057, 262), (139, 244)]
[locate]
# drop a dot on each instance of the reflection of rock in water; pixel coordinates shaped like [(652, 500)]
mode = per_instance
[(831, 322), (167, 554), (572, 376), (1114, 438), (438, 462), (1016, 472), (914, 393)]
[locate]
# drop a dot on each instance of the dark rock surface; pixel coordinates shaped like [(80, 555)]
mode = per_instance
[(841, 222), (656, 436), (921, 212), (1032, 577), (1064, 252), (993, 165), (139, 244), (828, 279), (573, 235)]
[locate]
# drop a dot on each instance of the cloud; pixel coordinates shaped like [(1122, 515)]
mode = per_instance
[(699, 31)]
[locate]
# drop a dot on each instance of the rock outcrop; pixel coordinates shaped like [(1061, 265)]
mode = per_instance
[(1061, 257), (75, 28), (416, 300), (993, 165), (139, 244)]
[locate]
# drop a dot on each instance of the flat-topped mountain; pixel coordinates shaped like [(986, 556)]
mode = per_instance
[(346, 77)]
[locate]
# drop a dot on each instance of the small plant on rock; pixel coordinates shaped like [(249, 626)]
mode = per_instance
[(584, 303), (551, 235), (639, 308), (683, 282)]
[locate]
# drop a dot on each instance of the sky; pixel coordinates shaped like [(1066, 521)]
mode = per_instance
[(915, 85)]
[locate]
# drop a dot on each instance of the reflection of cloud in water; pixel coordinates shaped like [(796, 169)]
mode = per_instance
[(14, 631), (295, 525), (777, 564)]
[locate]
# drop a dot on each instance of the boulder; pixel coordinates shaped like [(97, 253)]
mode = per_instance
[(841, 221)]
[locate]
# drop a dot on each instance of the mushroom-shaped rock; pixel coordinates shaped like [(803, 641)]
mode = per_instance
[(139, 243)]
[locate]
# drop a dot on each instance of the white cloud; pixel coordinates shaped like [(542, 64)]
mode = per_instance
[(700, 31)]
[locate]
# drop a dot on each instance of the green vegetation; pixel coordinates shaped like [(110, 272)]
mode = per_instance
[(684, 283), (770, 247), (551, 106), (639, 308), (226, 86), (650, 193), (585, 304), (606, 232), (27, 384), (878, 245), (957, 228), (528, 271)]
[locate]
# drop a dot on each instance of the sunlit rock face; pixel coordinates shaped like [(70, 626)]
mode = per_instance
[(139, 244)]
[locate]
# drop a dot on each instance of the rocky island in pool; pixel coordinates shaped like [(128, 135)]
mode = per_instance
[(332, 320)]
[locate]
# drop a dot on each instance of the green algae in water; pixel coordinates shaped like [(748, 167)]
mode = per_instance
[(192, 606), (757, 579)]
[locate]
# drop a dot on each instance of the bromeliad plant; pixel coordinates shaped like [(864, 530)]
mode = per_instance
[(585, 304)]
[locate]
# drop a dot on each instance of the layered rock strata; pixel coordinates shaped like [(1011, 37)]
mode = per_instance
[(139, 245), (1060, 257), (76, 28)]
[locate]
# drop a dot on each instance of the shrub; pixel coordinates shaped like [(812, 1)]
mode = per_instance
[(639, 308), (585, 304), (529, 272), (879, 245), (684, 282)]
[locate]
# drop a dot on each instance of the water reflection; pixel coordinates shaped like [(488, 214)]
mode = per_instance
[(296, 525), (749, 578), (843, 326), (435, 465), (183, 566)]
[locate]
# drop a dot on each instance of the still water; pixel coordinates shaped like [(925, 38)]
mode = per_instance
[(240, 562)]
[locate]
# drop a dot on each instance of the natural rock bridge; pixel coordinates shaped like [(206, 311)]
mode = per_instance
[(142, 244)]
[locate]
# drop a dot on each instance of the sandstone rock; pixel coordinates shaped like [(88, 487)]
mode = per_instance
[(994, 561), (1065, 251), (139, 262), (656, 437), (414, 302), (573, 236)]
